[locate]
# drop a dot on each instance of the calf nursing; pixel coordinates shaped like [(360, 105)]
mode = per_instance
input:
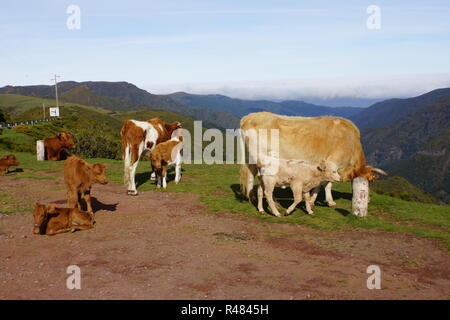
[(164, 155), (301, 176)]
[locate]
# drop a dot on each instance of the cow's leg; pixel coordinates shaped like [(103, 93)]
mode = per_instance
[(164, 176), (314, 194), (87, 199), (260, 198), (153, 175), (297, 191), (72, 198), (177, 172), (329, 196), (308, 203), (136, 151), (268, 192)]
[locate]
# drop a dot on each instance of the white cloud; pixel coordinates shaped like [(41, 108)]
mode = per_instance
[(380, 86)]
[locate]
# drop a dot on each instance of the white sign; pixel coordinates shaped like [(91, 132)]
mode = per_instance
[(54, 112)]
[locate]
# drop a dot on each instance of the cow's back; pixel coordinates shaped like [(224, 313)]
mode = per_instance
[(313, 139), (75, 171)]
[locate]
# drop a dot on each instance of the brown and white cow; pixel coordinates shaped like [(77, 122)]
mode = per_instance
[(166, 154), (50, 220), (139, 137), (55, 147), (79, 176), (311, 139), (7, 161)]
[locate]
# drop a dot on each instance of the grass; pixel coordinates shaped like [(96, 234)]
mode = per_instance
[(218, 187)]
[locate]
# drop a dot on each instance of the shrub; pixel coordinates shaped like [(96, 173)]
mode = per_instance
[(94, 146)]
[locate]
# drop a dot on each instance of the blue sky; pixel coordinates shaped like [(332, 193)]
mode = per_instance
[(249, 49)]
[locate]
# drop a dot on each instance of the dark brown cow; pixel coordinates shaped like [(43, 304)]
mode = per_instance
[(54, 147), (79, 176), (139, 137), (50, 220), (6, 162)]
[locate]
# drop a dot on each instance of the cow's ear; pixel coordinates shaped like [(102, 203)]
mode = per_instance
[(322, 166), (51, 208)]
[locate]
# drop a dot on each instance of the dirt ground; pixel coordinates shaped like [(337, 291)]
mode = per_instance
[(167, 246)]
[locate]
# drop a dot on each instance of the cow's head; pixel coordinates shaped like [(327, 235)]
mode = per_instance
[(369, 173), (66, 139), (99, 173), (171, 127), (40, 214), (329, 171), (11, 160)]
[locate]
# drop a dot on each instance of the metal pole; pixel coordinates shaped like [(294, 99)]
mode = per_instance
[(43, 109), (56, 90)]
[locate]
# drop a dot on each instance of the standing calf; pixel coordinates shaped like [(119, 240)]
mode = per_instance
[(56, 145), (302, 177), (6, 162), (166, 154), (51, 220), (79, 176)]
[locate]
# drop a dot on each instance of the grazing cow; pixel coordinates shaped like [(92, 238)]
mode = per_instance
[(6, 162), (310, 139), (79, 176), (54, 147), (301, 176), (164, 155), (139, 137), (50, 220)]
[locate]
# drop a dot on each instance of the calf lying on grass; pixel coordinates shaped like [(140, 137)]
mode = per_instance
[(6, 162), (51, 220), (164, 155), (79, 176), (302, 177)]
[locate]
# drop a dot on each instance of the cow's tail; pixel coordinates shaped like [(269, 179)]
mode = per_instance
[(247, 175), (126, 164)]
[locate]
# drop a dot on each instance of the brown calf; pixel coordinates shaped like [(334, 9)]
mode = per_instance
[(166, 154), (51, 220), (6, 162), (79, 176), (55, 146)]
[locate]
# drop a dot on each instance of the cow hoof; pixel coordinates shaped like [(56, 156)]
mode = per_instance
[(132, 193), (311, 213), (261, 211), (332, 204)]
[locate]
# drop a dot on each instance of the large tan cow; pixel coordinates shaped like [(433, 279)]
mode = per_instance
[(310, 139), (139, 137)]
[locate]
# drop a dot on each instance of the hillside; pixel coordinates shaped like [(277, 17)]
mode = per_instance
[(123, 96), (240, 108), (389, 111), (96, 130), (415, 147)]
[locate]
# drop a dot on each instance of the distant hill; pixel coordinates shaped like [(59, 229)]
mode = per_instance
[(416, 147), (389, 111), (123, 96), (240, 108)]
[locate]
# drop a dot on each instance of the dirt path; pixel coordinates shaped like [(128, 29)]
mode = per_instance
[(166, 246)]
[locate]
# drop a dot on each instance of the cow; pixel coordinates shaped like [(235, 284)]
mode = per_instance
[(8, 161), (79, 176), (164, 155), (138, 137), (50, 220), (301, 176), (311, 139), (55, 147)]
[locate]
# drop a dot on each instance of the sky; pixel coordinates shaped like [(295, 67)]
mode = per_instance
[(247, 49)]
